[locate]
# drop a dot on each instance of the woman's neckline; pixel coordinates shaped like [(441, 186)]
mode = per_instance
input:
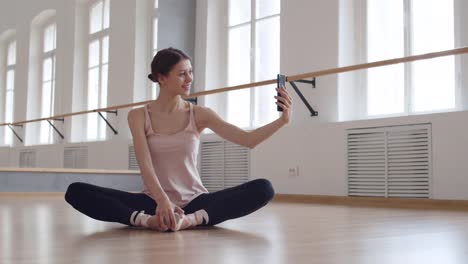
[(171, 134)]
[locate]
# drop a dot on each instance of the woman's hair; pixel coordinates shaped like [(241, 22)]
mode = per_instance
[(164, 61)]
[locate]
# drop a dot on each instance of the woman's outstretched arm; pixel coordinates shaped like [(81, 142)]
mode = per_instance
[(209, 119)]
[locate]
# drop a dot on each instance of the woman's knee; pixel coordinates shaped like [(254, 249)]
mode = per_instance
[(74, 191), (264, 188)]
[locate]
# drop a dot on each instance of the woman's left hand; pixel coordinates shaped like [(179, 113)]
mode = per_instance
[(285, 102)]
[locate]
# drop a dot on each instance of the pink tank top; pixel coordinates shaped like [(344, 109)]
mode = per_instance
[(175, 160)]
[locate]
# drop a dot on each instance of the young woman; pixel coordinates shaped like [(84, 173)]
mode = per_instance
[(166, 135)]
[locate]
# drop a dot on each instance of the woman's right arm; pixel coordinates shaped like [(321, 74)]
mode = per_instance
[(136, 123), (165, 209)]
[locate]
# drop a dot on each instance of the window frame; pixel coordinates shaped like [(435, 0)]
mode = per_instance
[(52, 54), (7, 139), (154, 15), (91, 37), (408, 78), (253, 49)]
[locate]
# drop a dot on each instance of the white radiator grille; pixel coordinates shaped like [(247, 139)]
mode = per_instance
[(409, 163), (75, 157), (27, 158), (390, 161), (223, 164), (132, 161)]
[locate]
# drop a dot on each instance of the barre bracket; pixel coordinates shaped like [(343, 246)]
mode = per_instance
[(14, 132), (55, 129), (107, 122), (299, 93)]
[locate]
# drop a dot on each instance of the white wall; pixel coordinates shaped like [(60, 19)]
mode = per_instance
[(309, 41), (320, 152)]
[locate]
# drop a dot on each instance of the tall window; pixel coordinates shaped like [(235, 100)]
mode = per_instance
[(48, 80), (98, 61), (10, 90), (403, 28), (154, 46), (253, 55)]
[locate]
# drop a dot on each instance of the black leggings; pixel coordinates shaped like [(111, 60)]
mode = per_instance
[(111, 205)]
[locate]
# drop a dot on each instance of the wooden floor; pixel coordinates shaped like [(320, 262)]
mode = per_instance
[(44, 229)]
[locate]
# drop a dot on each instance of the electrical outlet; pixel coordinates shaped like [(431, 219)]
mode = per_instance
[(293, 172)]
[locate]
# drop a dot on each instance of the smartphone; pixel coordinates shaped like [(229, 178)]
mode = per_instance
[(281, 82)]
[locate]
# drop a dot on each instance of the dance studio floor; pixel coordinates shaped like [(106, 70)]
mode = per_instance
[(42, 228)]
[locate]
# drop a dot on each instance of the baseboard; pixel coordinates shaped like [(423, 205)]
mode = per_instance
[(410, 203), (72, 171)]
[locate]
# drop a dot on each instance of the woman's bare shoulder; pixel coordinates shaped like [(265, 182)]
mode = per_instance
[(136, 114), (202, 111), (202, 114)]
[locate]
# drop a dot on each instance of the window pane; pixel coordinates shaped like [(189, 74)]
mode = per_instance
[(92, 126), (11, 53), (95, 23), (93, 88), (53, 68), (105, 49), (103, 99), (47, 70), (267, 58), (46, 99), (9, 106), (9, 96), (45, 133), (49, 38), (385, 29), (8, 138), (10, 80), (267, 8), (155, 33), (433, 84), (385, 40), (239, 55), (93, 54), (102, 127), (433, 30), (238, 107), (239, 11), (433, 25), (106, 14), (103, 102), (385, 93), (52, 98)]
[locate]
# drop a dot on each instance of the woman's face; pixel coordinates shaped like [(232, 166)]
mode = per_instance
[(179, 79)]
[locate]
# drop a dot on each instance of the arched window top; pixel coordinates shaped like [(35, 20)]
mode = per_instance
[(44, 17), (7, 34)]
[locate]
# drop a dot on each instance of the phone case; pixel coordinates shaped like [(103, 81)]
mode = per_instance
[(280, 82)]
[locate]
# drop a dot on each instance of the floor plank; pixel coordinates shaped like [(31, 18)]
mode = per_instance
[(44, 229)]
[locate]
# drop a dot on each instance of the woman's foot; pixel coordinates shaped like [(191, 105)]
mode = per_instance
[(182, 221), (185, 221), (190, 220)]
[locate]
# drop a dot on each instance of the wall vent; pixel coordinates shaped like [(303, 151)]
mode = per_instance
[(390, 161), (223, 164), (27, 158), (132, 161), (76, 157)]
